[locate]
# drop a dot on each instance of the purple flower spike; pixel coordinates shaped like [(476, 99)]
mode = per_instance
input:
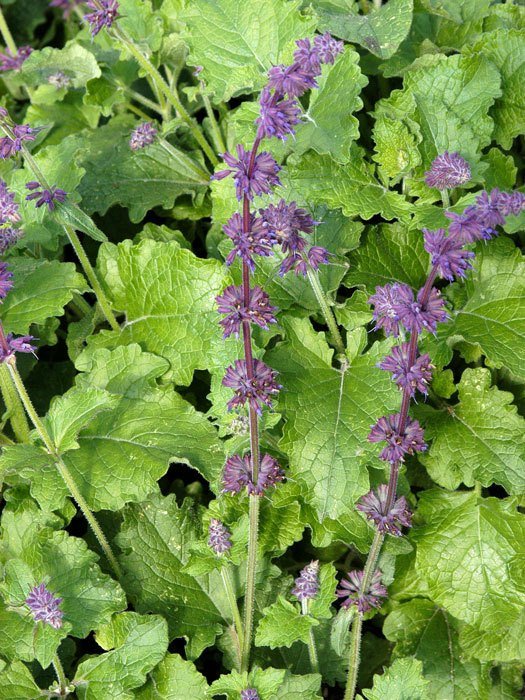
[(387, 430), (22, 132), (307, 583), (512, 203), (466, 227), (415, 317), (144, 135), (386, 302), (219, 537), (10, 61), (292, 80), (257, 241), (104, 14), (249, 694), (373, 505), (237, 474), (48, 197), (414, 378), (259, 309), (278, 116), (263, 176), (44, 606), (9, 237), (489, 209), (328, 48), (285, 221), (6, 283), (308, 57), (10, 345), (257, 391), (365, 601), (447, 254), (447, 171), (318, 256), (8, 206)]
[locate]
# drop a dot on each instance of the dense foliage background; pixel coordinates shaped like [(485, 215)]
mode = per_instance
[(139, 412)]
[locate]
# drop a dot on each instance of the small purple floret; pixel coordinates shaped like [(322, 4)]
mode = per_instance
[(231, 303), (466, 226), (219, 537), (256, 391), (12, 345), (307, 583), (447, 254), (398, 445), (8, 207), (104, 14), (10, 61), (327, 47), (8, 237), (417, 317), (447, 171), (6, 282), (43, 196), (489, 209), (237, 474), (373, 505), (414, 378), (386, 302), (292, 80), (366, 600), (307, 55), (249, 694), (277, 116), (262, 178), (257, 241), (44, 606), (142, 136), (10, 146)]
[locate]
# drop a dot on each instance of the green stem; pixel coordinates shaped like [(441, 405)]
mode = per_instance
[(445, 198), (312, 651), (59, 670), (138, 97), (327, 312), (14, 406), (355, 653), (6, 34), (60, 465), (477, 489), (171, 95), (81, 304), (136, 110), (218, 140), (378, 4), (232, 599), (249, 600)]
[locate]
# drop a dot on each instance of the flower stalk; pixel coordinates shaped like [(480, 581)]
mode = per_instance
[(14, 406)]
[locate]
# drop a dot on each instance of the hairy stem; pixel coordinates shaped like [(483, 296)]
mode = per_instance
[(326, 310), (445, 199), (14, 406), (312, 651), (60, 465), (218, 140), (139, 97), (236, 615), (355, 653), (61, 676), (249, 600)]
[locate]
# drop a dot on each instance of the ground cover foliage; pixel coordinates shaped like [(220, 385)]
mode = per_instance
[(127, 555)]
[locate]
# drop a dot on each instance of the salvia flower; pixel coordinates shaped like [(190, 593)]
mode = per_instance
[(398, 444), (259, 310), (219, 537), (327, 47), (59, 79), (416, 316), (263, 174), (307, 583), (489, 209), (6, 283), (144, 135), (10, 345), (256, 391), (307, 55), (10, 146), (277, 116), (104, 14), (8, 207), (14, 61), (412, 378), (258, 240), (386, 302), (366, 600), (44, 196), (8, 237), (374, 506), (512, 202), (317, 255), (466, 226), (447, 254), (237, 474), (447, 171), (44, 606), (285, 221), (249, 694), (292, 80)]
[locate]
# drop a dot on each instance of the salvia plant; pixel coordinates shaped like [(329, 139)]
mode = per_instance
[(262, 350)]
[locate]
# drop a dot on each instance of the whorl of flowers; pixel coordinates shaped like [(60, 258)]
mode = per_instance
[(449, 170), (350, 590), (307, 583), (104, 13), (219, 537), (14, 61), (44, 606), (237, 475), (249, 694), (386, 519), (143, 135), (44, 196)]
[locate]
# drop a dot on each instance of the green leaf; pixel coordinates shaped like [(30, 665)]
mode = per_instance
[(139, 180), (237, 44), (380, 31), (171, 311), (282, 624), (328, 416), (389, 253), (156, 538), (493, 313), (403, 680), (266, 681), (41, 289), (504, 644), (465, 555), (16, 682), (426, 632), (174, 679), (396, 145), (141, 24), (137, 643), (479, 439), (329, 126), (321, 605), (315, 179), (306, 687), (70, 215)]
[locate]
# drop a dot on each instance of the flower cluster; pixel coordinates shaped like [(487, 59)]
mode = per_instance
[(350, 589), (143, 135), (480, 220), (44, 606), (399, 441), (257, 309), (410, 376), (256, 387), (8, 343), (448, 170), (14, 61), (237, 475), (249, 694), (104, 14), (395, 307), (307, 583), (45, 196), (387, 520), (21, 133), (219, 537)]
